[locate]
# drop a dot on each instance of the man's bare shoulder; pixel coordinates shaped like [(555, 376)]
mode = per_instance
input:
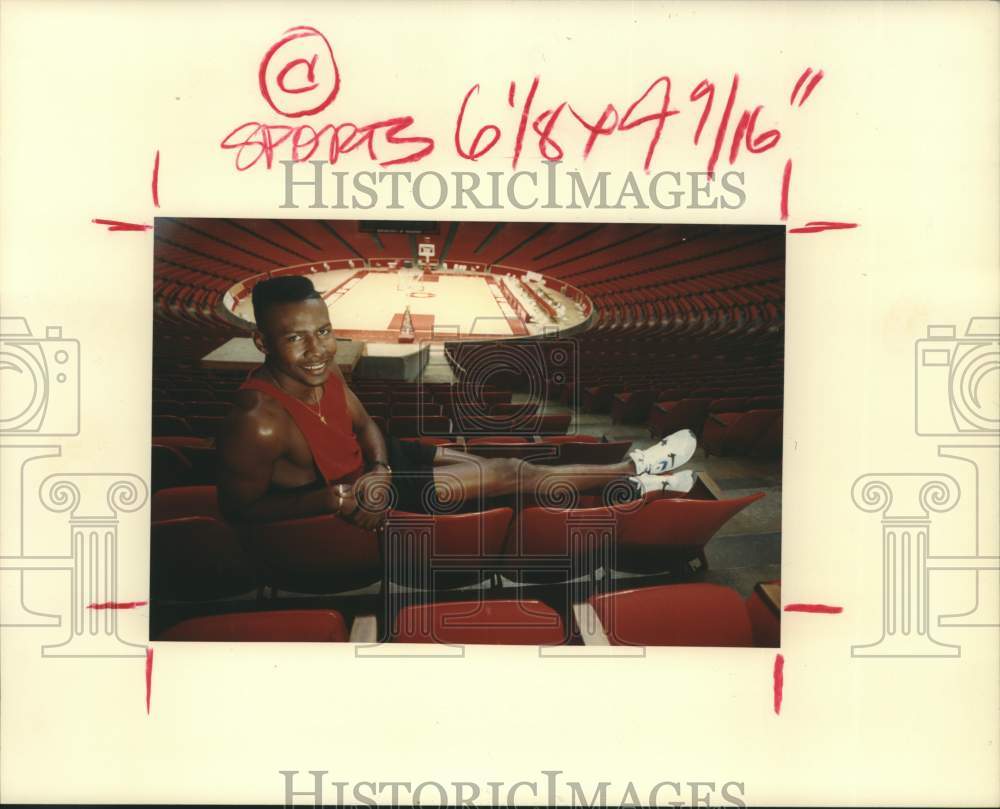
[(257, 417)]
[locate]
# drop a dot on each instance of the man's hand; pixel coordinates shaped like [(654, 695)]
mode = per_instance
[(367, 503)]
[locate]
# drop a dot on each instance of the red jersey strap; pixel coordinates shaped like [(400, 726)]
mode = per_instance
[(326, 427)]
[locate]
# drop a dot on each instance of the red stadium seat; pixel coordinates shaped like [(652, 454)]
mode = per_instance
[(198, 558), (442, 551), (185, 501), (765, 615), (493, 440), (169, 467), (414, 426), (674, 615), (204, 462), (598, 398), (665, 531), (631, 406), (414, 409), (669, 417), (170, 425), (316, 555), (275, 626), (217, 409), (575, 438), (508, 410), (193, 394), (769, 445), (181, 441), (609, 452), (526, 450), (205, 426), (168, 407), (736, 433), (487, 622), (380, 409), (553, 544), (429, 440), (552, 424), (732, 404)]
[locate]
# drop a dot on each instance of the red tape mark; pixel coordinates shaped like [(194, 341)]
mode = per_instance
[(156, 180), (114, 224), (821, 608), (117, 605), (779, 681), (818, 227), (149, 675)]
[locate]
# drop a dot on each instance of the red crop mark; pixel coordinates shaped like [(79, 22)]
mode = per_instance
[(720, 133), (117, 605), (798, 84), (149, 675), (819, 227), (156, 180), (523, 125), (114, 224), (823, 609), (779, 681), (811, 86), (786, 179)]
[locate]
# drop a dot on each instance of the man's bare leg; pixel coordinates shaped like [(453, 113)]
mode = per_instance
[(464, 476), (469, 477)]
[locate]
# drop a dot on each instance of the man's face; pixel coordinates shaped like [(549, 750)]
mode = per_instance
[(298, 341)]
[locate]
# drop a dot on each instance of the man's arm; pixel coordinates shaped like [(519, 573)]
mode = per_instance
[(250, 442)]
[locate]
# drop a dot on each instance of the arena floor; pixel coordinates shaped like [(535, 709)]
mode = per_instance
[(369, 305)]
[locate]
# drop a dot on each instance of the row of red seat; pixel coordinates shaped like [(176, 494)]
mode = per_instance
[(196, 555), (695, 614)]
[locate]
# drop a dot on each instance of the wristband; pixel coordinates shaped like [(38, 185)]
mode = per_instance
[(383, 463)]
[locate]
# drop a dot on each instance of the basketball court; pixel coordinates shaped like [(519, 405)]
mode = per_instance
[(370, 304)]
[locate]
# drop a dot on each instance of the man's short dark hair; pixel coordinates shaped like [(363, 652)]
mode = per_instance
[(283, 289)]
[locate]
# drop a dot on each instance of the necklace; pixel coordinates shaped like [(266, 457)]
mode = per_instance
[(318, 412)]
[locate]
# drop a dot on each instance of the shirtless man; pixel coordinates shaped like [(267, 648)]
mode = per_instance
[(299, 443)]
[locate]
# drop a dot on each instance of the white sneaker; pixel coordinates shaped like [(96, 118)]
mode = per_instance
[(673, 451), (681, 482)]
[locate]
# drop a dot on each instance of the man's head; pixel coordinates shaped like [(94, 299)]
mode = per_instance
[(294, 331)]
